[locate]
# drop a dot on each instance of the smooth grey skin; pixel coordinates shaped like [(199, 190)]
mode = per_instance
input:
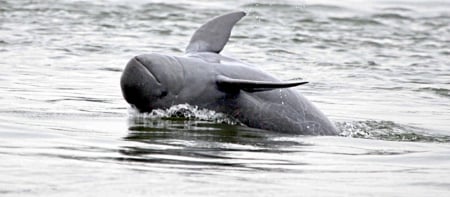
[(204, 78)]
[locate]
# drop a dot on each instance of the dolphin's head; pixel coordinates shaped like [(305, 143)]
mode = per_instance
[(151, 81)]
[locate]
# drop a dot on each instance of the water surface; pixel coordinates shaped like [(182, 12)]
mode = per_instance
[(379, 70)]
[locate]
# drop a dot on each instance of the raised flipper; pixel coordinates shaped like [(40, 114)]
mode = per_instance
[(234, 85), (212, 36)]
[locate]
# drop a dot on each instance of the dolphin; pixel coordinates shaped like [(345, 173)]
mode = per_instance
[(204, 78)]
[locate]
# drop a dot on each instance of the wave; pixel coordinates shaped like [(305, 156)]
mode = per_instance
[(368, 129), (356, 20), (273, 5), (388, 130), (393, 16), (437, 91)]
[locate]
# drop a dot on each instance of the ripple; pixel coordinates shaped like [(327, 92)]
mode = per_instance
[(162, 7), (372, 43), (394, 16), (82, 99), (438, 91), (356, 20), (326, 8), (277, 51), (272, 5), (387, 130), (112, 69), (402, 9)]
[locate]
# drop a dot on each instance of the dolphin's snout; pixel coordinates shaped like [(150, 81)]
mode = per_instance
[(146, 67), (139, 85)]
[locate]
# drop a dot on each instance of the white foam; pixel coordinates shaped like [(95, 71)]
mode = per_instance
[(185, 111)]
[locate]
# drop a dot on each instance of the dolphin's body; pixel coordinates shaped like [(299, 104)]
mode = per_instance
[(204, 78)]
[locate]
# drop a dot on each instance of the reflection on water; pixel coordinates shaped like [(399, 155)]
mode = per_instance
[(202, 143)]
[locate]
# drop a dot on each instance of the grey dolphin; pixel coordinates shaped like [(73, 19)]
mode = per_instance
[(204, 78)]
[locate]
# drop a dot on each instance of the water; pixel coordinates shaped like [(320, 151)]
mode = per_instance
[(379, 69)]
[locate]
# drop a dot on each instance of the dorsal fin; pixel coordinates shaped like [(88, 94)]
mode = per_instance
[(233, 85), (212, 36)]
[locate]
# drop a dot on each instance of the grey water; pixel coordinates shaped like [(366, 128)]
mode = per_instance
[(380, 70)]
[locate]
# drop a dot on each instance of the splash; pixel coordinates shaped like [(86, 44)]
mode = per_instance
[(387, 130), (368, 129), (186, 112)]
